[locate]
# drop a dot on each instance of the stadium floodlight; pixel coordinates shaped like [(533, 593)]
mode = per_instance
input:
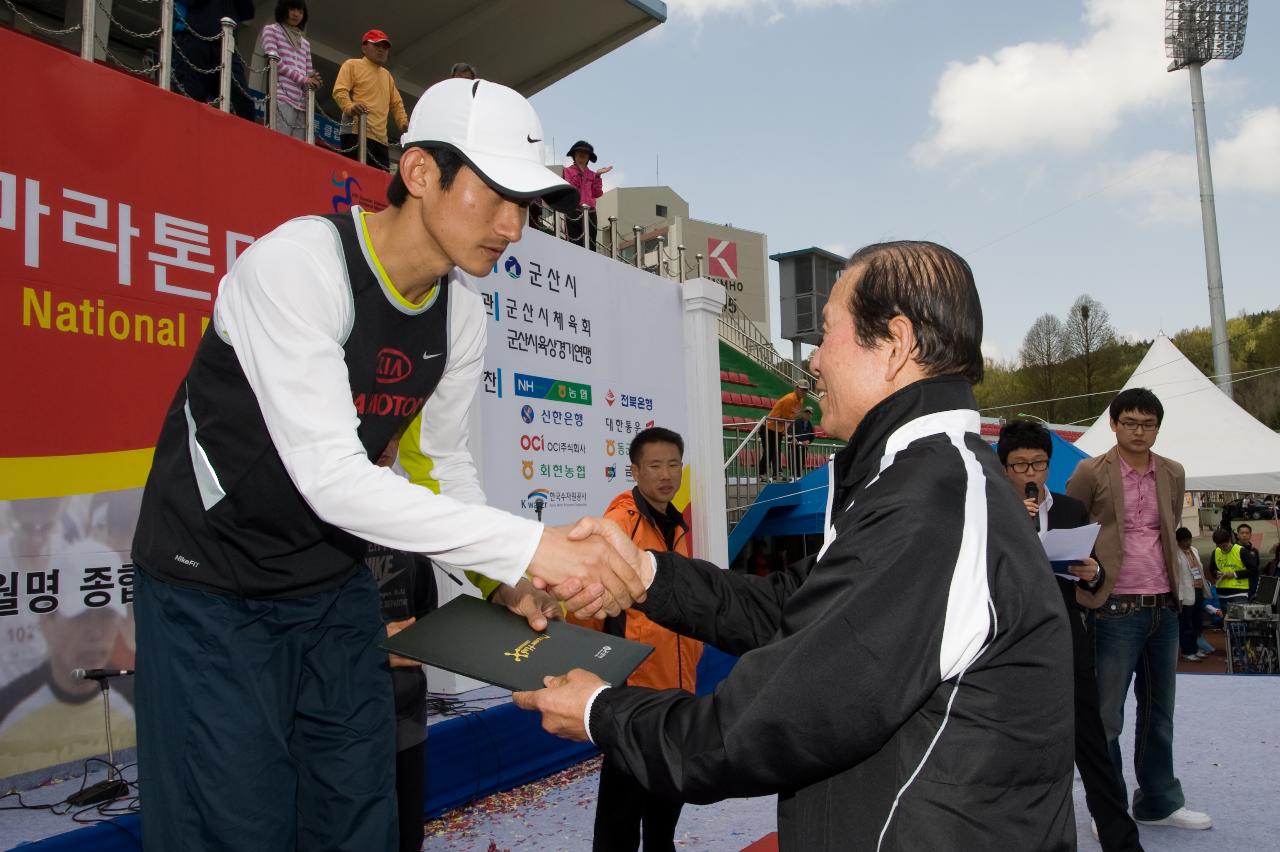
[(1196, 31)]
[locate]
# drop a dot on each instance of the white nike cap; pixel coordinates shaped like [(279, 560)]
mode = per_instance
[(497, 133)]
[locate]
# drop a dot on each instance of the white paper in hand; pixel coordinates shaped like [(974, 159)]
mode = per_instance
[(1066, 547), (1073, 545)]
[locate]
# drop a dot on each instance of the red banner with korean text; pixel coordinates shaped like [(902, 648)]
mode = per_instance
[(121, 207)]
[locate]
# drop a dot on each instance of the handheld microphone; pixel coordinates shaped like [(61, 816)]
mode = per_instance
[(99, 674), (1032, 492)]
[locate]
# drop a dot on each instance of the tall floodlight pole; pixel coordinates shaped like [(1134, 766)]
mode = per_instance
[(1196, 31)]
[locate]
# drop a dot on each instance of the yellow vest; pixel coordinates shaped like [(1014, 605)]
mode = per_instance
[(1230, 561)]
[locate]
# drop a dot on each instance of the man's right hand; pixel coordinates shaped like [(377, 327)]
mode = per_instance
[(1033, 508), (626, 548), (566, 563), (358, 108)]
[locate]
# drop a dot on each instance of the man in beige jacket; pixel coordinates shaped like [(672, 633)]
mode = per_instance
[(1136, 496)]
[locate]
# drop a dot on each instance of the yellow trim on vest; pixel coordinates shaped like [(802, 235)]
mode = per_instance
[(483, 583), (421, 470), (61, 476), (416, 463), (382, 273)]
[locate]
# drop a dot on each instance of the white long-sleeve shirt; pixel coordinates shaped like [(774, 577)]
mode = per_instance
[(286, 309)]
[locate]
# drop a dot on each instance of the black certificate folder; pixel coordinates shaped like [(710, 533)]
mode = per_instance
[(471, 637)]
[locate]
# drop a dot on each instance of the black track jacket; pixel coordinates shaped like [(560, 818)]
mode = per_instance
[(911, 691)]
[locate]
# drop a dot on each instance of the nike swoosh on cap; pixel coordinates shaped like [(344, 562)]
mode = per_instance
[(427, 356), (531, 139)]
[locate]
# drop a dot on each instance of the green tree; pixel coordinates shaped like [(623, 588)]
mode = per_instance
[(1041, 356), (1088, 330)]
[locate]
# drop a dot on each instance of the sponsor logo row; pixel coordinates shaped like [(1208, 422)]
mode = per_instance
[(540, 444)]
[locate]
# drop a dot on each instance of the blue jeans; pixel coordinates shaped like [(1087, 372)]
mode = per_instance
[(1141, 642)]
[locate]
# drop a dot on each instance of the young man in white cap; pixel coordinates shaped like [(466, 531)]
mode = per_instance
[(264, 705)]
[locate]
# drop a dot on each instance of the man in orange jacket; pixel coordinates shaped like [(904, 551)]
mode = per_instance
[(781, 416), (646, 514)]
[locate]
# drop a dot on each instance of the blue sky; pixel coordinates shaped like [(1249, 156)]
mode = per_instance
[(1043, 141)]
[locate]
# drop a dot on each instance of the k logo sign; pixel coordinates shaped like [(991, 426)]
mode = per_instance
[(722, 259)]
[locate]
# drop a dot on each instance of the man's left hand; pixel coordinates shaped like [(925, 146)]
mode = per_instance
[(395, 660), (562, 703), (535, 605), (1086, 570)]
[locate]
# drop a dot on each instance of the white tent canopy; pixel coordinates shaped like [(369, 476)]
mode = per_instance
[(1222, 446)]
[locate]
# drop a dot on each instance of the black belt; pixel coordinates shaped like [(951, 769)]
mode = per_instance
[(1162, 599)]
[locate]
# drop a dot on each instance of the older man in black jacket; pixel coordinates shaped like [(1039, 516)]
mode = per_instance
[(911, 690)]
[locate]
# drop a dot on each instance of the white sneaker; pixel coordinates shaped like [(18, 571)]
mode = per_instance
[(1191, 658), (1182, 818)]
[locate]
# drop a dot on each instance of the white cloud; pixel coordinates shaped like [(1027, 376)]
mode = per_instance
[(1039, 95), (1251, 158), (1164, 183)]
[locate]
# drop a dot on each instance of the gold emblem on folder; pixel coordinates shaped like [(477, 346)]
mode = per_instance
[(525, 648)]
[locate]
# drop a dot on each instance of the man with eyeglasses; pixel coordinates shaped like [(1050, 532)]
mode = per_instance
[(1025, 448), (1136, 496)]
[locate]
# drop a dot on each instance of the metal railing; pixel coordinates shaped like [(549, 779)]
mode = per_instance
[(758, 452), (97, 42), (745, 336)]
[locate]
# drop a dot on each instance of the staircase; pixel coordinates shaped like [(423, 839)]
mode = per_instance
[(743, 335)]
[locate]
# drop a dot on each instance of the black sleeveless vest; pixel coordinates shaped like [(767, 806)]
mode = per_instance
[(219, 511)]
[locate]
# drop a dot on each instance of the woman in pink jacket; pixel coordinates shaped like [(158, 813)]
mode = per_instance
[(587, 182)]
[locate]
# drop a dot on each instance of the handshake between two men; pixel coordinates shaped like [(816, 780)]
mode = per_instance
[(592, 569)]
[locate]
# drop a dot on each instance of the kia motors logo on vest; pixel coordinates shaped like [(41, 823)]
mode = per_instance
[(393, 366)]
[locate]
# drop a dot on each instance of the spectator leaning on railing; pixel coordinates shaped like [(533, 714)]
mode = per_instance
[(781, 416), (296, 74), (365, 86)]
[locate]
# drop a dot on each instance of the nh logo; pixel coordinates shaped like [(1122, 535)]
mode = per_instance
[(523, 384)]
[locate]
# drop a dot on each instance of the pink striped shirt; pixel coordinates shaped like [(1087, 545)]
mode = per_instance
[(295, 64), (1143, 571)]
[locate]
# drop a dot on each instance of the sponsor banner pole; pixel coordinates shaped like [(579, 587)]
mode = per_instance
[(703, 301)]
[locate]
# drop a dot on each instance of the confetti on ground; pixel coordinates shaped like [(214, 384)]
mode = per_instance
[(463, 822), (558, 813)]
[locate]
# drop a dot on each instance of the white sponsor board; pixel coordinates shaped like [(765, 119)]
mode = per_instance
[(583, 353)]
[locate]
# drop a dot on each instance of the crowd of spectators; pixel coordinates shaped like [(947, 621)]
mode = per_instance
[(363, 86)]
